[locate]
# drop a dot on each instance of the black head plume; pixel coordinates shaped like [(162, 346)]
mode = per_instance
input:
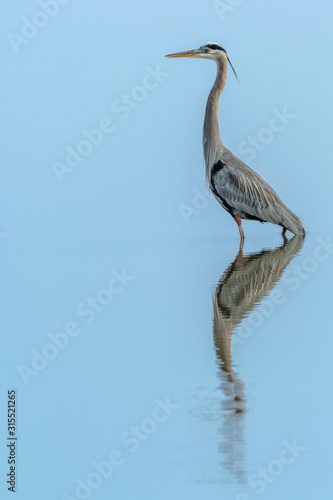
[(233, 69)]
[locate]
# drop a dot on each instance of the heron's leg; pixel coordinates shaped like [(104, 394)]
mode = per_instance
[(239, 224), (285, 239)]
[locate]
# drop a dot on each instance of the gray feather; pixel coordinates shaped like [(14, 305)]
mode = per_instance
[(250, 195)]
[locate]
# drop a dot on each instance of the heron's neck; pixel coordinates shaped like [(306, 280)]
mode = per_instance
[(212, 144)]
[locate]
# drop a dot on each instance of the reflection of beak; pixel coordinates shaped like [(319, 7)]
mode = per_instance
[(187, 53)]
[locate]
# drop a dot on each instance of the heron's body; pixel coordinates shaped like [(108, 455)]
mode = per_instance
[(244, 194), (240, 190)]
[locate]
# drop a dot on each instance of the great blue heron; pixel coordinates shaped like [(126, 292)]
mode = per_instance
[(240, 190)]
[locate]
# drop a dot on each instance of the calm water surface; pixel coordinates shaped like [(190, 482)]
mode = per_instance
[(152, 359), (199, 370)]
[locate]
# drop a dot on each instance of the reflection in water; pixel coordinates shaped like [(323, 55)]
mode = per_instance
[(242, 287)]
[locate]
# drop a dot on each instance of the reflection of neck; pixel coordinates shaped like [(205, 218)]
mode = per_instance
[(222, 331), (211, 134)]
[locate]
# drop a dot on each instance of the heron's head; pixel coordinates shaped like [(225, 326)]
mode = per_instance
[(210, 50)]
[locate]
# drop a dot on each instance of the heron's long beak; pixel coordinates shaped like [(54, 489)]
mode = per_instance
[(187, 53)]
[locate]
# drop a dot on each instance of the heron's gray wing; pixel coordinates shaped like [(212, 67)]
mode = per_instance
[(245, 191)]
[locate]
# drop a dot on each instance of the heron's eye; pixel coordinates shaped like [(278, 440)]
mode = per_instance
[(207, 50)]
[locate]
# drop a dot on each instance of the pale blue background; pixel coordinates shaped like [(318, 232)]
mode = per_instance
[(119, 210)]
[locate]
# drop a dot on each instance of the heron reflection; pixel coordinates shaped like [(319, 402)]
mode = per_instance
[(243, 285)]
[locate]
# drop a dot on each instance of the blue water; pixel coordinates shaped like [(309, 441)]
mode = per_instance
[(150, 355), (243, 362)]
